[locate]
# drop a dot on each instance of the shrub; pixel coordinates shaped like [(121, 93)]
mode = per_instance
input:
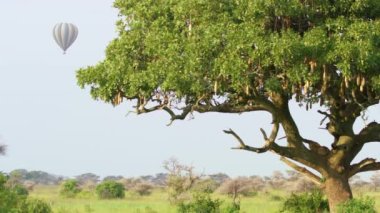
[(306, 203), (70, 188), (14, 200), (29, 185), (35, 206), (237, 187), (129, 183), (9, 199), (201, 203), (205, 185), (180, 179), (143, 189), (110, 190), (20, 190), (232, 208), (360, 205)]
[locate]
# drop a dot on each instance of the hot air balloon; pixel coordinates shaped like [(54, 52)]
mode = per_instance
[(65, 34)]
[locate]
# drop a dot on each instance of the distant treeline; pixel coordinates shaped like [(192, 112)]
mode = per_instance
[(290, 180), (45, 178)]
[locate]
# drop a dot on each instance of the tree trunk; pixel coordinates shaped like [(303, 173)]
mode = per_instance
[(338, 191)]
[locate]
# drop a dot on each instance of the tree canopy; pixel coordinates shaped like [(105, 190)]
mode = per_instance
[(194, 50), (235, 56)]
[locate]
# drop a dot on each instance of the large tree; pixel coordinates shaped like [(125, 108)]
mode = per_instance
[(236, 56)]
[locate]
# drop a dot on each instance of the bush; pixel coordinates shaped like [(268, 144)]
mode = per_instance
[(14, 200), (360, 205), (235, 188), (306, 203), (179, 181), (205, 186), (20, 190), (143, 189), (110, 190), (35, 206), (201, 203), (70, 188), (9, 199), (232, 208)]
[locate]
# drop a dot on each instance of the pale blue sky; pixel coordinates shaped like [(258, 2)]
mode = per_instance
[(50, 124)]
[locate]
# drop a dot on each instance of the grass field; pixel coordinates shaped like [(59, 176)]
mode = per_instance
[(155, 203)]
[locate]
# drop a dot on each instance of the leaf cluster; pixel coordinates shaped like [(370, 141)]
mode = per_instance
[(188, 51)]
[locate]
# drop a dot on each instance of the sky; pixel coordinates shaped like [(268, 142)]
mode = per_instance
[(50, 124)]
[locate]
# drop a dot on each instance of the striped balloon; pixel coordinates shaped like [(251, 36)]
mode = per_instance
[(65, 34)]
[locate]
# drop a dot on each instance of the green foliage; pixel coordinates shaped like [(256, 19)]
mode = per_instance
[(70, 188), (306, 203), (205, 186), (187, 47), (201, 203), (20, 190), (14, 200), (359, 205), (232, 208), (110, 190), (35, 206), (235, 56), (9, 199)]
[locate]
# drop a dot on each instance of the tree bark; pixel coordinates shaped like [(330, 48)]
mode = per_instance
[(338, 191)]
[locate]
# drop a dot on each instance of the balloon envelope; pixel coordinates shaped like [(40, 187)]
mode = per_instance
[(65, 34)]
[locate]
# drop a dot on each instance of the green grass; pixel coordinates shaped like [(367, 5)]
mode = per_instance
[(155, 203), (89, 203), (132, 203)]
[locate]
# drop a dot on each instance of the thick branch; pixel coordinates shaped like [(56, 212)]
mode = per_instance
[(313, 177), (281, 102), (368, 164), (174, 116), (270, 145), (142, 103), (370, 167), (230, 108), (370, 133), (316, 147), (255, 104)]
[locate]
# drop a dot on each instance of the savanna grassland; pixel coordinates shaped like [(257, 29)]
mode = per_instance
[(157, 202)]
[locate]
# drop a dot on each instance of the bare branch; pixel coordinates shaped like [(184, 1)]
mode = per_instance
[(370, 133), (325, 114), (264, 134), (268, 141), (242, 144), (130, 112), (313, 177), (368, 164)]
